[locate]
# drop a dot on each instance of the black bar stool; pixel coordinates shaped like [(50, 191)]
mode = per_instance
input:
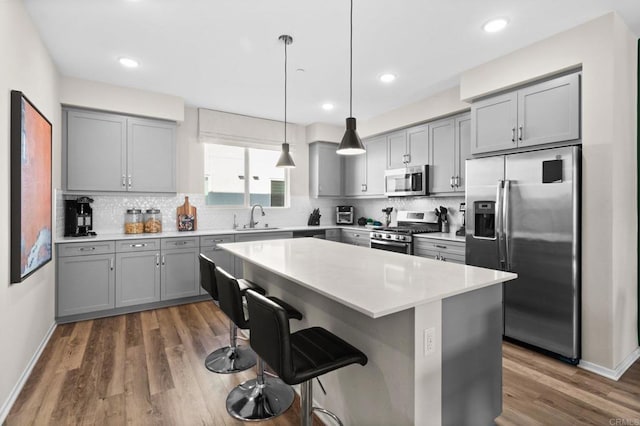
[(232, 358), (299, 357), (263, 397)]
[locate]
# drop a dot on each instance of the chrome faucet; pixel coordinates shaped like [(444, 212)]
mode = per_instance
[(252, 223)]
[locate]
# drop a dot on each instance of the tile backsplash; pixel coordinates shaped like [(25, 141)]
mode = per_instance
[(109, 210)]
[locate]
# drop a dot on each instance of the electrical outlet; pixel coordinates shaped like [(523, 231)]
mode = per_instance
[(429, 341)]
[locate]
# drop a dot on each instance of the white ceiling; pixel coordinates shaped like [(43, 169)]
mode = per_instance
[(225, 54)]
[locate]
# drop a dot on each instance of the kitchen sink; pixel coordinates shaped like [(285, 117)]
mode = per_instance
[(264, 228)]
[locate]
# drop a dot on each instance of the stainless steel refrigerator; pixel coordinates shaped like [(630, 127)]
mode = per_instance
[(523, 216)]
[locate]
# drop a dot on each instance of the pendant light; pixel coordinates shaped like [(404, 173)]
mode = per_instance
[(285, 160), (351, 143)]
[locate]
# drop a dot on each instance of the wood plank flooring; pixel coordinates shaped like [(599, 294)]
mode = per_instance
[(148, 368)]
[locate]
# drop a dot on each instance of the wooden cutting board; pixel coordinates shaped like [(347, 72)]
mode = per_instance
[(186, 216)]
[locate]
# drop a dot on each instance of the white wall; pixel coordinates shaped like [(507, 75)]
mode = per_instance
[(107, 97), (607, 52), (26, 309)]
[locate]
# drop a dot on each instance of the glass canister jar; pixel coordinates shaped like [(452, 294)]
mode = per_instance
[(153, 221), (133, 222)]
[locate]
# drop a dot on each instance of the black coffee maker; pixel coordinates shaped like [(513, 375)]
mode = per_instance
[(78, 217)]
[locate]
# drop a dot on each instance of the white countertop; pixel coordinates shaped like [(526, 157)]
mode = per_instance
[(448, 236), (373, 282), (198, 233)]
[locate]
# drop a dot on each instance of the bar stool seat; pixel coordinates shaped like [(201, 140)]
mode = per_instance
[(231, 358), (263, 397), (297, 357)]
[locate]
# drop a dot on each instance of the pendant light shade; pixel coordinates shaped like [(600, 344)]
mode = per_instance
[(285, 160), (351, 143)]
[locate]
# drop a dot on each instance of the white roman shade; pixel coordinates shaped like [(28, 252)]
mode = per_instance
[(241, 130)]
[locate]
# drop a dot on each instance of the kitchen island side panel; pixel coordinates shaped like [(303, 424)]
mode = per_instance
[(380, 393), (472, 357)]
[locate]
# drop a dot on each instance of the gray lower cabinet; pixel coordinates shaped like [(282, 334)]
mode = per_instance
[(325, 170), (137, 272), (180, 271), (356, 237), (332, 235), (223, 259), (239, 270), (444, 250), (537, 114), (86, 282)]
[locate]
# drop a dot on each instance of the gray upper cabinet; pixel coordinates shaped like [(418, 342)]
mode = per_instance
[(442, 147), (542, 113), (397, 147), (364, 174), (355, 175), (111, 152), (549, 112), (151, 147), (463, 149), (376, 159), (96, 151), (494, 123), (409, 147), (325, 170)]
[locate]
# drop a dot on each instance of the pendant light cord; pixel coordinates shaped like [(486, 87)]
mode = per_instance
[(351, 62), (285, 91)]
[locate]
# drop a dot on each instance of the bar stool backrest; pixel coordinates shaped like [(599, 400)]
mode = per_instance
[(270, 334), (208, 276), (230, 298)]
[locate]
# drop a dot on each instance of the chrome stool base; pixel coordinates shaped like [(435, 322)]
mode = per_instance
[(231, 359), (252, 401)]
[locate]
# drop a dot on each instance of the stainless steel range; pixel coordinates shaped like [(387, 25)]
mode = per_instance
[(399, 238)]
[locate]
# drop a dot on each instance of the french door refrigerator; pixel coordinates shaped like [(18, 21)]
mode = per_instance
[(523, 216)]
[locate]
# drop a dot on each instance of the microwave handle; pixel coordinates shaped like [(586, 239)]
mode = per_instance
[(416, 181)]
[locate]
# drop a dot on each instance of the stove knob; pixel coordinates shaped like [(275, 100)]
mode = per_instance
[(402, 237), (388, 236)]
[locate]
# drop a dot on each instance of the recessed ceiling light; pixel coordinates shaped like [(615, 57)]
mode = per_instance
[(327, 106), (495, 25), (129, 63), (387, 77)]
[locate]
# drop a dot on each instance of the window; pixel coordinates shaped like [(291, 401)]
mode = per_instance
[(238, 176)]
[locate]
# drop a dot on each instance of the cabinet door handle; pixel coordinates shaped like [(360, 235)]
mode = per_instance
[(124, 178), (163, 259), (157, 259), (440, 246), (181, 243), (452, 182), (356, 235), (520, 133), (457, 181), (111, 264), (138, 245), (87, 248), (513, 134), (129, 180)]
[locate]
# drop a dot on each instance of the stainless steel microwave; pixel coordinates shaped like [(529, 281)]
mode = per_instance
[(409, 181)]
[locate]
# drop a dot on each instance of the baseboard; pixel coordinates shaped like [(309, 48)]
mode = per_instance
[(6, 406), (613, 374)]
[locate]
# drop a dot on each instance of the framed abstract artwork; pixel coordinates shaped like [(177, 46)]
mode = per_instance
[(31, 215)]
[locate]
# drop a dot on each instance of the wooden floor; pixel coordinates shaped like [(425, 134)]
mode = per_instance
[(147, 368)]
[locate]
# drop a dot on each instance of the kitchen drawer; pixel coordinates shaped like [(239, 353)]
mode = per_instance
[(214, 240), (86, 248), (450, 247), (179, 243), (138, 245), (353, 234)]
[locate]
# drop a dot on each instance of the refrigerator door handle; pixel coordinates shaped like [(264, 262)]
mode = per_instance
[(499, 222), (505, 221)]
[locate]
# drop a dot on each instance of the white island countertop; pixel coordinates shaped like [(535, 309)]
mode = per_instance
[(373, 282)]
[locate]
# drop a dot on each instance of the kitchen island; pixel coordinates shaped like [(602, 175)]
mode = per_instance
[(431, 330)]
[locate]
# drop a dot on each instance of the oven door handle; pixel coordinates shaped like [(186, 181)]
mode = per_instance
[(389, 243)]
